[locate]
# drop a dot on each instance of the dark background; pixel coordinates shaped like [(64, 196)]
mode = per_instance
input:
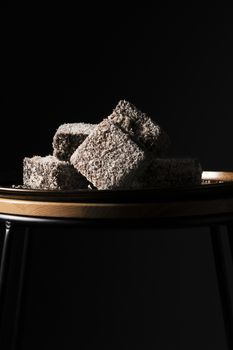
[(62, 65)]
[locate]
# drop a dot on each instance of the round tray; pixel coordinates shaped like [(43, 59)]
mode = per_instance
[(213, 197)]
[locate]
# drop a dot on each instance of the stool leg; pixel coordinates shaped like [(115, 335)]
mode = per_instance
[(4, 267), (12, 274), (223, 281), (21, 283)]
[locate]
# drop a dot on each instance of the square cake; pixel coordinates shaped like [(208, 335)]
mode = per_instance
[(50, 173), (142, 129), (108, 157), (68, 137), (169, 172)]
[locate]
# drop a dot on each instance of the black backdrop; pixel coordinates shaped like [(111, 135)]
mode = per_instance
[(70, 65)]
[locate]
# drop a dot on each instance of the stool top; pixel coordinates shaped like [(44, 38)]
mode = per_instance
[(212, 198)]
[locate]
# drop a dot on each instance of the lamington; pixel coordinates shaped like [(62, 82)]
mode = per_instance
[(68, 137), (170, 172), (146, 132), (108, 157), (50, 173)]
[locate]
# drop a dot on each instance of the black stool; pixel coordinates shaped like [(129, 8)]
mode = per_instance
[(209, 205)]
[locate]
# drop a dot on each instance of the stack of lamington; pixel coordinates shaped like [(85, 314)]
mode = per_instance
[(126, 150)]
